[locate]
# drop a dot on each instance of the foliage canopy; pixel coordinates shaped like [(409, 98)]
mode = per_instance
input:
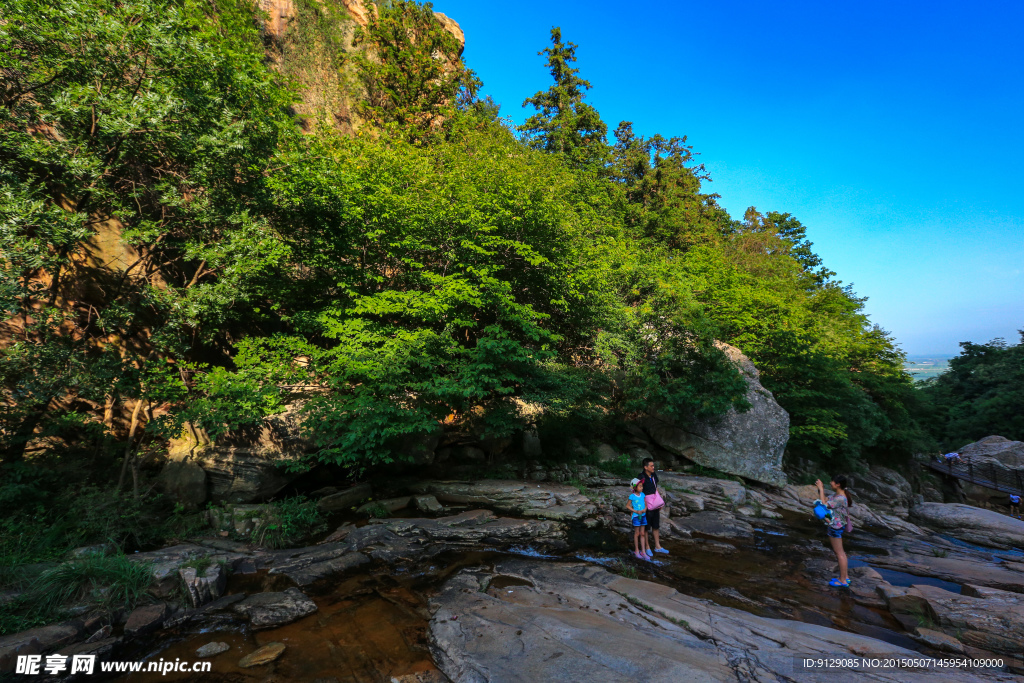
[(434, 269)]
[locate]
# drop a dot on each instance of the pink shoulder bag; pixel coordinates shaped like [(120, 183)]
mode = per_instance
[(654, 501)]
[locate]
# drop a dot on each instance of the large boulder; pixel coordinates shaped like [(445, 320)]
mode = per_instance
[(240, 467), (971, 524), (183, 481), (883, 488), (996, 449), (747, 444)]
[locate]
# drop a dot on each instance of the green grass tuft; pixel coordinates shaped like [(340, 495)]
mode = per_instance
[(107, 581)]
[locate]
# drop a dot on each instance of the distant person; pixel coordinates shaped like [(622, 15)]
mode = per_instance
[(639, 520), (953, 457), (650, 480), (838, 502), (1015, 505)]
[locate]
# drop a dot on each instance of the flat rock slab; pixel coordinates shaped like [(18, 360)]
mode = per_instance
[(427, 503), (212, 649), (563, 502), (971, 524), (717, 525), (146, 619), (577, 622), (167, 562), (269, 610), (305, 566), (264, 655), (36, 641), (733, 492)]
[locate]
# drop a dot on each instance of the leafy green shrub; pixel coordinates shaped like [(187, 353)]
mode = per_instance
[(288, 521), (377, 511), (622, 467)]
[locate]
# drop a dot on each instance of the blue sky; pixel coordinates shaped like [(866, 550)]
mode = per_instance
[(894, 131)]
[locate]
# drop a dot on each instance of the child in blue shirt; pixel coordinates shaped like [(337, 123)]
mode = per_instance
[(639, 510)]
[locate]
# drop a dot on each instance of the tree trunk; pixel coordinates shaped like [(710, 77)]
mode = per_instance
[(128, 446)]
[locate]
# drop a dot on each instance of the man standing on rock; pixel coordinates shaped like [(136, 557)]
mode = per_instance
[(650, 480)]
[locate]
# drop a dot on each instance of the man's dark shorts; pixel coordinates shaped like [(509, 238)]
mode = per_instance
[(654, 518)]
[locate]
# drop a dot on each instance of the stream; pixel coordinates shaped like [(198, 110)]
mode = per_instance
[(372, 624)]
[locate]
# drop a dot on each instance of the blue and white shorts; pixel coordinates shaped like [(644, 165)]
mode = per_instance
[(640, 520)]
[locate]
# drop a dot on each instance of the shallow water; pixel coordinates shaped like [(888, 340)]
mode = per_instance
[(372, 625), (368, 627), (898, 578)]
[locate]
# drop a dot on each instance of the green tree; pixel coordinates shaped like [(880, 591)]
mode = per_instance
[(413, 74), (662, 193), (981, 394), (564, 123), (146, 124)]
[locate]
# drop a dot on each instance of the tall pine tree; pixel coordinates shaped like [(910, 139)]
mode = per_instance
[(564, 123)]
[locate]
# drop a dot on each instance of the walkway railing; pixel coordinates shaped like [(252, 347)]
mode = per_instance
[(985, 474)]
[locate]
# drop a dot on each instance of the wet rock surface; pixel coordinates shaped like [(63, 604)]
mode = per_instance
[(580, 622), (394, 541), (737, 553), (212, 649), (264, 655), (270, 610)]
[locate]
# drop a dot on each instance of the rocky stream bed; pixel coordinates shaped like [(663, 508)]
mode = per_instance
[(531, 581)]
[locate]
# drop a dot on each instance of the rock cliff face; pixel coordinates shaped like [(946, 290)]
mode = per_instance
[(239, 468), (308, 41), (747, 444)]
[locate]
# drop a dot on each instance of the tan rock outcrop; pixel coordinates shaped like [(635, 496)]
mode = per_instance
[(747, 444), (242, 467)]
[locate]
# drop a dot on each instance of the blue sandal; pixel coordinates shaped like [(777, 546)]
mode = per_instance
[(836, 583)]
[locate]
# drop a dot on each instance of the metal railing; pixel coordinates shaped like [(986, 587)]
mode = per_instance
[(985, 474)]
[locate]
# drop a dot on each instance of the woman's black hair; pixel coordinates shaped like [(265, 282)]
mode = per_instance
[(841, 480)]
